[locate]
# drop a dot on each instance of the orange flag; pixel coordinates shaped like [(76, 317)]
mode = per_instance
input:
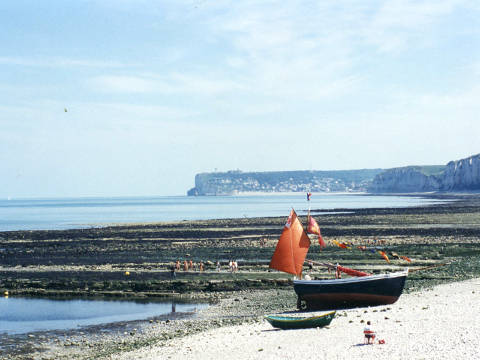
[(313, 228), (384, 256), (406, 258), (342, 245)]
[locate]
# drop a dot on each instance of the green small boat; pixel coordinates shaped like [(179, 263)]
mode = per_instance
[(296, 322)]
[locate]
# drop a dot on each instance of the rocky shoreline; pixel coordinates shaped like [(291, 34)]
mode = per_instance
[(94, 263)]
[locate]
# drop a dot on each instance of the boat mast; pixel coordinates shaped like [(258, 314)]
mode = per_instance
[(309, 194)]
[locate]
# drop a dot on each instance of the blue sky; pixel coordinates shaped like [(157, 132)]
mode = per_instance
[(157, 91)]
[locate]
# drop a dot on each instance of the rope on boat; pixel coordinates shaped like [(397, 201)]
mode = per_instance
[(329, 265)]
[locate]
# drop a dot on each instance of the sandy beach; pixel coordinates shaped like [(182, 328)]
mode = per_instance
[(92, 263), (438, 323)]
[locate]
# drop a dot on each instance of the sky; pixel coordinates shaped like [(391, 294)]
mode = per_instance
[(135, 97)]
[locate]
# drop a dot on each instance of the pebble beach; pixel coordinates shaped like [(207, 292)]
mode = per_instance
[(438, 323)]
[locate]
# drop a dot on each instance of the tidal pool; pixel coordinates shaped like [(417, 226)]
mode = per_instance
[(24, 315)]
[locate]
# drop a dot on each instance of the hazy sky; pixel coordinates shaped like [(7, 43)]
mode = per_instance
[(157, 91)]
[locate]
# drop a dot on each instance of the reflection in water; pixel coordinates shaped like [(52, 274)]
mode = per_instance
[(22, 315)]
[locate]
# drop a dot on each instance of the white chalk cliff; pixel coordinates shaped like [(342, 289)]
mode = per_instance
[(459, 175)]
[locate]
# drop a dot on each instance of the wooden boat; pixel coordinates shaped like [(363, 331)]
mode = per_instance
[(296, 322), (362, 290), (351, 292)]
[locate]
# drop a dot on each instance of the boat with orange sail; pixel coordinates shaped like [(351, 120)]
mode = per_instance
[(362, 289)]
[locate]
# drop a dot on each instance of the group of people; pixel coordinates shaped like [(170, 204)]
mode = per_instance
[(233, 266), (189, 265), (376, 241)]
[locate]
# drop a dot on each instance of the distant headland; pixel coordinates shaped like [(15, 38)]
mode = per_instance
[(458, 175)]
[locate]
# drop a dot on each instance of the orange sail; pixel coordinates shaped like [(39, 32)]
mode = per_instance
[(292, 247), (321, 242), (313, 228)]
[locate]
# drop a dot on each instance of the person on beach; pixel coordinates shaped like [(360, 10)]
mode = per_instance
[(177, 265), (201, 266), (369, 334), (230, 265), (310, 266), (338, 274), (235, 266), (218, 266), (185, 265), (172, 272), (263, 241), (190, 265)]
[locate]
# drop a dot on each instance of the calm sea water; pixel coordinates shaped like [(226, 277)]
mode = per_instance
[(22, 315), (70, 213)]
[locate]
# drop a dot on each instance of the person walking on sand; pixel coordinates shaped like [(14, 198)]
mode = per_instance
[(369, 334), (310, 266)]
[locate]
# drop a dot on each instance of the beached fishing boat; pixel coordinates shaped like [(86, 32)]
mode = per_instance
[(296, 322), (351, 292), (360, 290)]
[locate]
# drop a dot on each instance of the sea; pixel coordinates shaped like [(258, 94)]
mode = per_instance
[(87, 212)]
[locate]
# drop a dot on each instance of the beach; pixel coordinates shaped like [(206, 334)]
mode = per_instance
[(438, 323), (94, 263)]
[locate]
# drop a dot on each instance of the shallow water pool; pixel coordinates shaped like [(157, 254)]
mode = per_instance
[(23, 315)]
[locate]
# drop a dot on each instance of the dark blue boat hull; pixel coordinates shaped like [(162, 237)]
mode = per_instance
[(348, 293)]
